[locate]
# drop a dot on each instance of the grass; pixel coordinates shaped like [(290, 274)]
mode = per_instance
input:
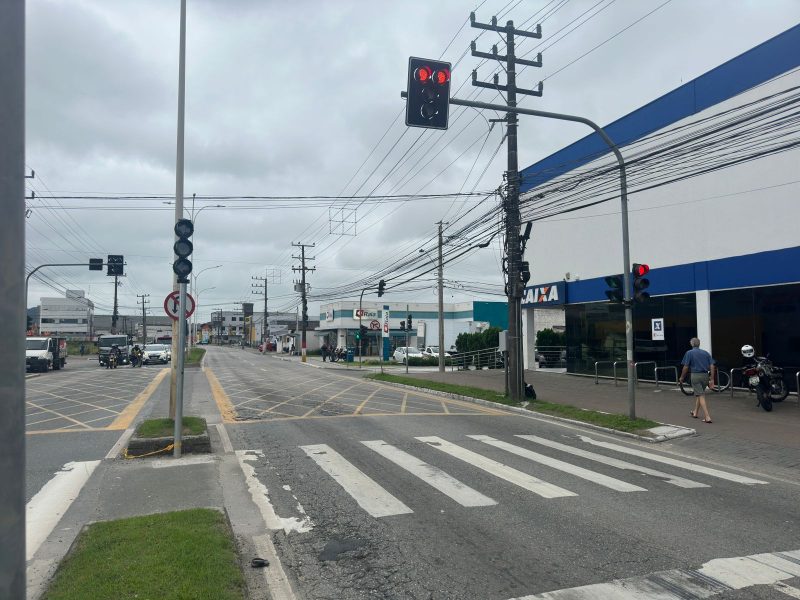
[(195, 355), (609, 420), (153, 428), (184, 554)]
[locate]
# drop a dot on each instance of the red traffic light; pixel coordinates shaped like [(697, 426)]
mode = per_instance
[(441, 76), (640, 270), (423, 74)]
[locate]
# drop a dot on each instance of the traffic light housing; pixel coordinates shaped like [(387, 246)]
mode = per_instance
[(182, 267), (115, 264), (363, 332), (381, 287), (95, 264), (402, 325), (428, 101), (640, 282), (525, 272), (409, 322), (615, 291)]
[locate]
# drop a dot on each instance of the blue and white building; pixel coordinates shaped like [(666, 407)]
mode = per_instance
[(714, 210)]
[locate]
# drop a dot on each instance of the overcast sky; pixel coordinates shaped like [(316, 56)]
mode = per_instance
[(289, 99)]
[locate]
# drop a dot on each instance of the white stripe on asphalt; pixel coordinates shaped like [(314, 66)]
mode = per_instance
[(674, 462), (46, 508), (523, 480), (614, 462), (224, 438), (431, 475), (715, 577), (598, 478), (369, 495)]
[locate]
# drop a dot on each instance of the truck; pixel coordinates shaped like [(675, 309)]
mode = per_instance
[(105, 343), (42, 353)]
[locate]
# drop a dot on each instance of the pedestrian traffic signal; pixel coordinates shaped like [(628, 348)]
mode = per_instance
[(381, 287), (428, 101), (409, 322), (95, 264), (183, 248), (640, 283), (402, 325), (115, 264), (615, 285)]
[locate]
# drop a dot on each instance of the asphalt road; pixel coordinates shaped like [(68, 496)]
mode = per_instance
[(379, 492)]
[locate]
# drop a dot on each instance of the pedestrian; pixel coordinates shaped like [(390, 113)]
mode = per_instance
[(698, 363), (82, 350), (324, 351)]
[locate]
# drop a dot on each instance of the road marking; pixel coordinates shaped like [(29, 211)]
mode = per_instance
[(367, 399), (323, 403), (55, 412), (46, 508), (223, 436), (674, 462), (121, 442), (184, 461), (220, 397), (615, 462), (715, 577), (598, 478), (366, 492), (433, 476), (126, 417), (523, 480), (403, 405)]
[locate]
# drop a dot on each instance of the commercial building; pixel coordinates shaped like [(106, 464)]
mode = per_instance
[(713, 209), (71, 316), (339, 322)]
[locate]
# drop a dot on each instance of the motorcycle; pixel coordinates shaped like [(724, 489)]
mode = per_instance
[(337, 354), (111, 363), (764, 378)]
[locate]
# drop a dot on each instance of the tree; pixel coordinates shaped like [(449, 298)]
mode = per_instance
[(549, 337)]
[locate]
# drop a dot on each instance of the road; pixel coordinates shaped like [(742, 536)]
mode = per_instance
[(381, 492)]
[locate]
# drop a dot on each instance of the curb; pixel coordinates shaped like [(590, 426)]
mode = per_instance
[(673, 432), (194, 444)]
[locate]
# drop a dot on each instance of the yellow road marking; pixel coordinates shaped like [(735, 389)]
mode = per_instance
[(62, 415), (362, 415), (220, 397), (403, 405), (126, 417), (367, 399), (65, 430), (329, 399), (444, 407)]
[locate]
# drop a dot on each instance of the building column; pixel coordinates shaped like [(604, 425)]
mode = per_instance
[(703, 303), (528, 338)]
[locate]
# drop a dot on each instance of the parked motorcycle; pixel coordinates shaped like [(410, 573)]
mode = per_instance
[(764, 378)]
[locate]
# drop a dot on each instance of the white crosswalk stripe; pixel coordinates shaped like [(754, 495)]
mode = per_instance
[(523, 480), (614, 462), (431, 475), (367, 493), (598, 478)]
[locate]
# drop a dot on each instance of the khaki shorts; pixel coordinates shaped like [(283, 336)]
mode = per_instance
[(699, 383)]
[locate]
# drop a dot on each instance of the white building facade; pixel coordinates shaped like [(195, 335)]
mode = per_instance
[(71, 316)]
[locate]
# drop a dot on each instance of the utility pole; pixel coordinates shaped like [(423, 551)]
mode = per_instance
[(270, 276), (304, 291), (144, 304), (115, 314), (441, 303), (515, 287)]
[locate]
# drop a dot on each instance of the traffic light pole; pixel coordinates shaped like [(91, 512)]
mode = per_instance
[(441, 304), (360, 311), (623, 181), (180, 360)]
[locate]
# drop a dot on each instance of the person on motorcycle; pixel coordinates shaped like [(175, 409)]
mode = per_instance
[(136, 356), (114, 357), (699, 362)]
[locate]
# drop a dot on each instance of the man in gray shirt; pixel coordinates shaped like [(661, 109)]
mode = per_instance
[(699, 363)]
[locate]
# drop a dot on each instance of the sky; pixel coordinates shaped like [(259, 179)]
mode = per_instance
[(303, 98)]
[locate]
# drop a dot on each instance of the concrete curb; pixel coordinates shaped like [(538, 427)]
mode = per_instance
[(193, 444), (660, 434)]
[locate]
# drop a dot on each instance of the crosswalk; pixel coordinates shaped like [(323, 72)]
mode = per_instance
[(379, 502)]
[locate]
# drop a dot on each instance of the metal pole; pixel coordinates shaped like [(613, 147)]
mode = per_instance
[(407, 331), (13, 304), (360, 310), (441, 304), (180, 360), (178, 192), (626, 267)]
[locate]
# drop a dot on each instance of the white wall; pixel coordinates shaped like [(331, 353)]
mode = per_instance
[(703, 218)]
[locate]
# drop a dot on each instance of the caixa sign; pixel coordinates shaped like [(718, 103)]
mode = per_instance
[(548, 294)]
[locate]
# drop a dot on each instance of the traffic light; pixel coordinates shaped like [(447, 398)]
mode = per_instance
[(402, 325), (525, 271), (428, 102), (95, 264), (615, 291), (640, 283), (183, 248), (115, 264), (363, 332), (381, 287), (409, 322)]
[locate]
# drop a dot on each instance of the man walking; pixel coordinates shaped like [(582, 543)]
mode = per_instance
[(699, 362), (324, 351)]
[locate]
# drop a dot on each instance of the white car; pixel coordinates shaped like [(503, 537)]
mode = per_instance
[(156, 353), (434, 351), (403, 351)]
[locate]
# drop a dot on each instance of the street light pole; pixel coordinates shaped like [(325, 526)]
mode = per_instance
[(193, 285)]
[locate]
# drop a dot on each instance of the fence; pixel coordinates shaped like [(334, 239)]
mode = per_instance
[(551, 356)]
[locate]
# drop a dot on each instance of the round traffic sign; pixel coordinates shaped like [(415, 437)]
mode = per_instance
[(172, 305), (375, 325)]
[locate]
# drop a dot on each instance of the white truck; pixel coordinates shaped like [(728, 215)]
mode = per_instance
[(42, 353)]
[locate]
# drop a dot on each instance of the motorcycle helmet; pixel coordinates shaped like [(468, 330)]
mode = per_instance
[(748, 351)]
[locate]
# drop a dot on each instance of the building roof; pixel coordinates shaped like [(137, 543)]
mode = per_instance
[(766, 61)]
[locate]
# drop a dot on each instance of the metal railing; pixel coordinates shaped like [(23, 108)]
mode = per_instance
[(797, 381), (672, 368), (550, 356), (600, 362), (741, 370), (618, 362), (636, 368), (491, 358)]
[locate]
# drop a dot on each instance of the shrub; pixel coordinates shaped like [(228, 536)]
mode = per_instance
[(549, 337)]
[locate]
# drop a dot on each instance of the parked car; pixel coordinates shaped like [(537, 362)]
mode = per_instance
[(156, 353), (551, 358), (434, 351), (409, 351)]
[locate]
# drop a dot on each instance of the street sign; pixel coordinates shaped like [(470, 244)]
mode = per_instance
[(375, 325), (386, 321), (657, 326), (171, 305)]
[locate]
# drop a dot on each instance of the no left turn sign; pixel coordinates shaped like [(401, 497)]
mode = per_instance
[(171, 305)]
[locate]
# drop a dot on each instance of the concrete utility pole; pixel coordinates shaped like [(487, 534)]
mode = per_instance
[(115, 313), (144, 304), (270, 276), (515, 287), (304, 291), (441, 303)]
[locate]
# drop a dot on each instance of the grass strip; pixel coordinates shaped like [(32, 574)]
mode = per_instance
[(154, 428), (195, 355), (609, 420), (184, 554)]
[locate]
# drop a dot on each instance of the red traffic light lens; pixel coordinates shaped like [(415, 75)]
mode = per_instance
[(640, 270), (441, 76), (423, 74)]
